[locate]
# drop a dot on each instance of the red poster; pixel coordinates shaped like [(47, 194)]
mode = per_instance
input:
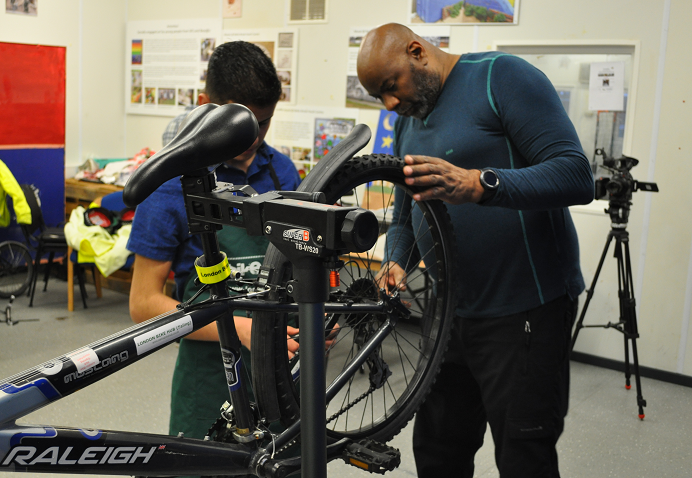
[(32, 95)]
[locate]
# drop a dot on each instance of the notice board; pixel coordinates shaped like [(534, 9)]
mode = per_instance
[(32, 123)]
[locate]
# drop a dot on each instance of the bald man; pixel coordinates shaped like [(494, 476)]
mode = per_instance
[(486, 133)]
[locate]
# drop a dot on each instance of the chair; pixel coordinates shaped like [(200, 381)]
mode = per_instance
[(42, 239), (112, 202)]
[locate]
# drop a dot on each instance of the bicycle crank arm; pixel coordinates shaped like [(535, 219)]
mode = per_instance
[(365, 454)]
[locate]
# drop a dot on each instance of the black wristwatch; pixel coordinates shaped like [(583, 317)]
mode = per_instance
[(490, 181)]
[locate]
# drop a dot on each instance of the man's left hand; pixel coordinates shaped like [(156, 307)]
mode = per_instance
[(442, 180)]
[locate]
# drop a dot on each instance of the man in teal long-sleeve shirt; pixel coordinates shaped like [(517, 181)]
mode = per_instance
[(487, 134)]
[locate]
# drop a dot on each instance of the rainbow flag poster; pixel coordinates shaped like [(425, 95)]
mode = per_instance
[(136, 52)]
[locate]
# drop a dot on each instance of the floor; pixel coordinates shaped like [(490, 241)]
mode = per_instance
[(603, 436)]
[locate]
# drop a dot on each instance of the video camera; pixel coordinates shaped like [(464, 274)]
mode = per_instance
[(621, 185)]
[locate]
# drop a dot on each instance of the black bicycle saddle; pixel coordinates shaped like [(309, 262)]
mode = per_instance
[(209, 135)]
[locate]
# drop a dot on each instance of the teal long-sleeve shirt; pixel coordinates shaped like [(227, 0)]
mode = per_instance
[(518, 250)]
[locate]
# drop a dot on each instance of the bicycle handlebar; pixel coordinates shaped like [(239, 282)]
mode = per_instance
[(209, 135)]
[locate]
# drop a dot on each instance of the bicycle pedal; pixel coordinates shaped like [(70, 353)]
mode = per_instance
[(372, 456)]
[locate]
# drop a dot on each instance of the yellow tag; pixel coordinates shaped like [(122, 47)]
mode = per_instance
[(215, 273)]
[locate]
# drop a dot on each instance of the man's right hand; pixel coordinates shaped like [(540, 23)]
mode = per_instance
[(391, 277)]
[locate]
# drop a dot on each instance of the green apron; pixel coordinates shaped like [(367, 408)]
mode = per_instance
[(199, 380)]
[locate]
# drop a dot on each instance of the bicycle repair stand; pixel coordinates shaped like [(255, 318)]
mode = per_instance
[(8, 315), (311, 235), (627, 324)]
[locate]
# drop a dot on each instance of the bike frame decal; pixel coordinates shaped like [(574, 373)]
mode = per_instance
[(90, 434), (70, 450), (52, 367), (164, 334), (44, 432), (14, 400), (42, 384), (84, 358), (231, 363)]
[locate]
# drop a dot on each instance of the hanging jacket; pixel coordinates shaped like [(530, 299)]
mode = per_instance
[(9, 185)]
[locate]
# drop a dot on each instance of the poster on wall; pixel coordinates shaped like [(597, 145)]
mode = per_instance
[(281, 45), (356, 95), (464, 12), (607, 86), (307, 134), (22, 7), (166, 64)]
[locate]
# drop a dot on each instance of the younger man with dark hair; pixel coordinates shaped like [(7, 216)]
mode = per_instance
[(238, 72)]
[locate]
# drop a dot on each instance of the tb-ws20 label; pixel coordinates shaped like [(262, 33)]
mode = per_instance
[(300, 238)]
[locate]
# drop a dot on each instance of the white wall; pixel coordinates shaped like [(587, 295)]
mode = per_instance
[(660, 224)]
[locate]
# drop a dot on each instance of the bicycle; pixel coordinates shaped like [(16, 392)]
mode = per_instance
[(16, 269), (385, 344)]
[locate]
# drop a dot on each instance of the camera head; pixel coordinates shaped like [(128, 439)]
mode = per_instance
[(618, 188)]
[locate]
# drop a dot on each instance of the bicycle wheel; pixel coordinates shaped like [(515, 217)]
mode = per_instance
[(16, 268), (383, 396)]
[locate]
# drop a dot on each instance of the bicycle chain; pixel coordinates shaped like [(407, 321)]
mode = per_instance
[(352, 404), (336, 415)]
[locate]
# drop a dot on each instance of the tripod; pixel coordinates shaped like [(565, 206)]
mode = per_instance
[(627, 324)]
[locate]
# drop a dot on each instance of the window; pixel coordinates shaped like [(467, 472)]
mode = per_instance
[(308, 10), (567, 65)]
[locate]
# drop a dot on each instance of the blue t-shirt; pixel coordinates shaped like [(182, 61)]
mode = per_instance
[(159, 229), (518, 250)]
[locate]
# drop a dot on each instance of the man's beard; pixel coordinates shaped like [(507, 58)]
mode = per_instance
[(428, 88)]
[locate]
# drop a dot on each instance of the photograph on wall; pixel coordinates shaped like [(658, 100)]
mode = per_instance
[(356, 94), (284, 59), (150, 96), (284, 77), (22, 7), (232, 8), (280, 45), (464, 12), (207, 48), (186, 97), (166, 96), (328, 133), (136, 94), (167, 63), (306, 134)]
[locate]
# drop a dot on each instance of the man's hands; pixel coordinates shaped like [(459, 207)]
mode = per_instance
[(442, 180)]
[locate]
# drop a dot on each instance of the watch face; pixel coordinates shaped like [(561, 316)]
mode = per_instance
[(489, 178)]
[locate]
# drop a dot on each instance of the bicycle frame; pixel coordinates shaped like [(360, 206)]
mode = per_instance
[(49, 449), (72, 450)]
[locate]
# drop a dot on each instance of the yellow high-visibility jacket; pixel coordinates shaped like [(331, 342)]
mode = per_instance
[(9, 185)]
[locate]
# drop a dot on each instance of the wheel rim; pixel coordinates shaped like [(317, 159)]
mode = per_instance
[(379, 392), (15, 269)]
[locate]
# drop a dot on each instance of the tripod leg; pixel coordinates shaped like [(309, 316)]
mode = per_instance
[(631, 329), (641, 403), (624, 298), (590, 291)]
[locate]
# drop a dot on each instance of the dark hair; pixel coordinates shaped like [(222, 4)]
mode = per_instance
[(242, 73)]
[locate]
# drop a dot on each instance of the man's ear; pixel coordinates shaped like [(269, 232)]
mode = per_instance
[(203, 99), (417, 51)]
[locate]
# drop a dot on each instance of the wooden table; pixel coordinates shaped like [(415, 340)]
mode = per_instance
[(83, 193)]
